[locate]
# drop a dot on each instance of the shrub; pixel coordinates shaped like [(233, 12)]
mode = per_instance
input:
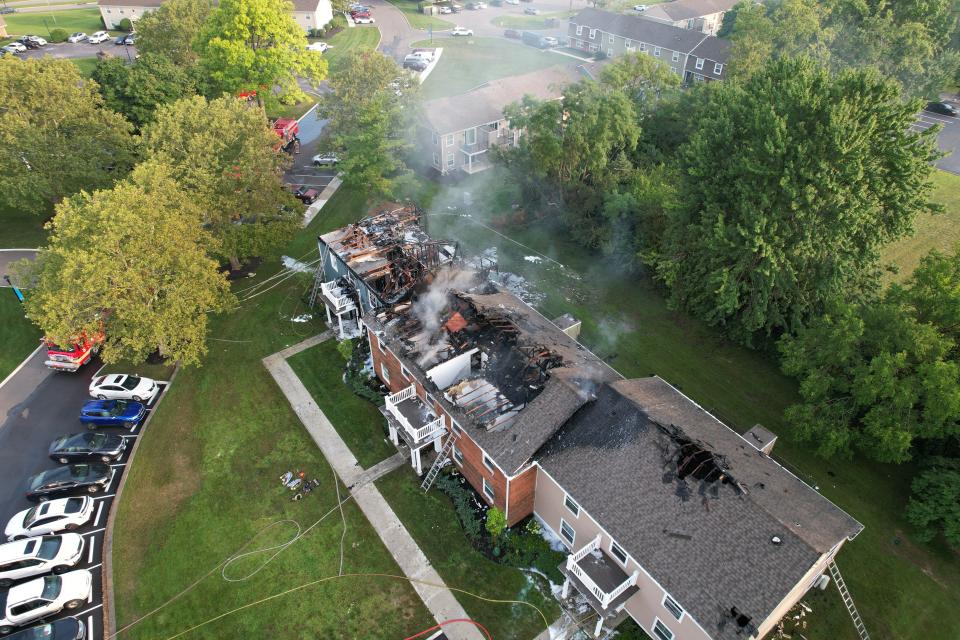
[(339, 22), (462, 498), (345, 348), (496, 523), (125, 25), (58, 35)]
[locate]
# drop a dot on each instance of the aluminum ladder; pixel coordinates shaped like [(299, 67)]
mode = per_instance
[(848, 601), (317, 281), (437, 465)]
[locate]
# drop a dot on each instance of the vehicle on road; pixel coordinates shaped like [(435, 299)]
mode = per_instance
[(62, 629), (37, 556), (73, 355), (9, 49), (325, 159), (416, 64), (461, 31), (943, 108), (79, 36), (130, 39), (120, 386), (43, 597), (531, 11), (318, 46), (87, 445), (122, 39), (512, 33), (307, 195), (640, 7), (33, 42), (98, 37), (446, 10), (366, 20), (288, 130), (112, 413), (548, 41), (64, 514), (16, 47), (92, 477)]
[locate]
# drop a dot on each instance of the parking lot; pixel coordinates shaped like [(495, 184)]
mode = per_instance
[(303, 172), (52, 410), (948, 139)]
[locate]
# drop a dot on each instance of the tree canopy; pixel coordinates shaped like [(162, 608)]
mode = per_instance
[(224, 153), (934, 506), (137, 90), (55, 136), (791, 184), (133, 258), (171, 29)]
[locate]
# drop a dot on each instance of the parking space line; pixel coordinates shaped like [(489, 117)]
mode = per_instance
[(94, 531), (90, 627), (933, 116), (93, 608), (133, 428), (90, 549), (96, 566), (128, 436), (90, 597), (96, 520), (110, 495), (119, 465)]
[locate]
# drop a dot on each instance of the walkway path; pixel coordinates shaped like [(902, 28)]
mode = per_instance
[(438, 599)]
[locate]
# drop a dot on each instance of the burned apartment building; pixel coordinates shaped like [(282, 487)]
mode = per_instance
[(669, 516)]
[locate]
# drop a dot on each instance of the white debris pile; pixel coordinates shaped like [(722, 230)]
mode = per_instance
[(518, 286), (295, 265), (533, 259), (303, 317), (556, 544)]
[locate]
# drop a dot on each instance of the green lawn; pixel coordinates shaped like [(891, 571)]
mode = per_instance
[(205, 483), (294, 111), (941, 231), (147, 370), (21, 229), (432, 521), (358, 422), (904, 588), (542, 21), (362, 38), (70, 20), (469, 62), (86, 65), (418, 20), (18, 335)]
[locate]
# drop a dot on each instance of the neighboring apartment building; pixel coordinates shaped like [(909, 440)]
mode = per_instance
[(692, 55), (669, 516), (705, 16), (457, 132), (309, 14), (3, 27)]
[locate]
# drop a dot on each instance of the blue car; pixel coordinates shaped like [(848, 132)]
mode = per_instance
[(112, 413)]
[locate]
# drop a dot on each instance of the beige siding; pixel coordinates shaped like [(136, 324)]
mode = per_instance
[(797, 592), (112, 15)]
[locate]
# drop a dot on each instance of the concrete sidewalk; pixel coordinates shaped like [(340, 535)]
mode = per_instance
[(425, 580)]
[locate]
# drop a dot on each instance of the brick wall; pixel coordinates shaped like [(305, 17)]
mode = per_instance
[(522, 491)]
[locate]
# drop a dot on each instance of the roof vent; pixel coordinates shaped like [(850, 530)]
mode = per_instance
[(776, 540)]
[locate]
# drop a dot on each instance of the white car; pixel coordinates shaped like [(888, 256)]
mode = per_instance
[(37, 556), (461, 31), (481, 5), (368, 20), (513, 2), (16, 47), (549, 41), (318, 46), (120, 386), (53, 516), (639, 7), (325, 159), (44, 597), (98, 37), (448, 10), (79, 36)]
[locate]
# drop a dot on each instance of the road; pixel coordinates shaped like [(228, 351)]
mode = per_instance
[(948, 139), (37, 407), (80, 50), (12, 255)]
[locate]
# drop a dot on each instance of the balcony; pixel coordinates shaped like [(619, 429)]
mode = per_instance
[(599, 578), (411, 418), (336, 297)]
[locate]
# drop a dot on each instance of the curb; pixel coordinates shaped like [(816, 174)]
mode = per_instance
[(21, 365), (109, 612)]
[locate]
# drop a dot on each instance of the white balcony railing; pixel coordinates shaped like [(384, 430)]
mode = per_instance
[(428, 429), (404, 394), (417, 433), (332, 292), (602, 596)]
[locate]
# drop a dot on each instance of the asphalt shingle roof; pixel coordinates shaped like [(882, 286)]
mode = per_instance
[(686, 9)]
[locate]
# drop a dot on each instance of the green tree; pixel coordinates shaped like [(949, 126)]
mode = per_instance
[(792, 183), (137, 90), (779, 28), (496, 522), (171, 29), (133, 258), (257, 45), (933, 293), (371, 124), (934, 506), (224, 152), (643, 78), (55, 136)]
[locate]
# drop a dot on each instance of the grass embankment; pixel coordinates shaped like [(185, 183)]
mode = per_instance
[(205, 483), (358, 422), (542, 21), (418, 20), (431, 520), (18, 335), (469, 62), (21, 229), (42, 23), (85, 65), (348, 41), (144, 369), (903, 588)]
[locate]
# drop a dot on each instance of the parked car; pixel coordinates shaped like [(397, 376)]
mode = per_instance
[(481, 5), (456, 8), (64, 514), (62, 629), (120, 386), (512, 33), (513, 2), (640, 7), (531, 11), (318, 46), (43, 597), (461, 31), (9, 49), (98, 37), (308, 195), (33, 42), (446, 10), (943, 108), (422, 54), (87, 445), (37, 556), (79, 36), (325, 159), (415, 64), (5, 10), (91, 477), (111, 413), (548, 41), (121, 39), (130, 40), (366, 20), (16, 47)]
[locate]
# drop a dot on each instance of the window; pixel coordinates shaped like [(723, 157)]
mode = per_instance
[(627, 44), (449, 139), (455, 428), (594, 48), (567, 531), (436, 138), (384, 373), (450, 161), (699, 63), (457, 455), (611, 40), (579, 29), (488, 490), (717, 68), (656, 51), (487, 462), (617, 552), (593, 33), (470, 136), (643, 46), (660, 631), (403, 369), (671, 605), (571, 505), (676, 56)]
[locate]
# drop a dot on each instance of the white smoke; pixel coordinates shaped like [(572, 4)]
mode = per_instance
[(431, 303)]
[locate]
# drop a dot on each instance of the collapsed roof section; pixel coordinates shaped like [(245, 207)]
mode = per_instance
[(501, 370), (390, 252)]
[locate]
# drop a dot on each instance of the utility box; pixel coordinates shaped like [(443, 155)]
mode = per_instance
[(569, 325), (761, 438)]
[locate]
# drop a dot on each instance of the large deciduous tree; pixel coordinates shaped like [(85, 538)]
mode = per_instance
[(171, 29), (224, 153), (792, 183), (934, 506), (257, 45), (137, 90), (55, 136), (134, 259)]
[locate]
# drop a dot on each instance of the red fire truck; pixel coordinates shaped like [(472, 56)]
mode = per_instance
[(74, 354), (287, 130)]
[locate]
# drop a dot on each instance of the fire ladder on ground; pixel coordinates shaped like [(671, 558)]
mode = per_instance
[(437, 465), (848, 601), (317, 281)]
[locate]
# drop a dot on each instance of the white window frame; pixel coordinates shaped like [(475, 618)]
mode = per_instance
[(594, 48), (457, 455), (470, 133), (676, 56), (436, 138), (487, 487), (676, 604), (612, 39), (643, 47), (613, 553), (699, 64), (660, 635), (384, 372), (455, 428), (674, 69), (451, 163), (567, 501), (449, 139), (717, 68), (403, 369), (579, 29), (488, 463), (593, 34), (563, 535), (656, 51), (436, 159), (627, 44)]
